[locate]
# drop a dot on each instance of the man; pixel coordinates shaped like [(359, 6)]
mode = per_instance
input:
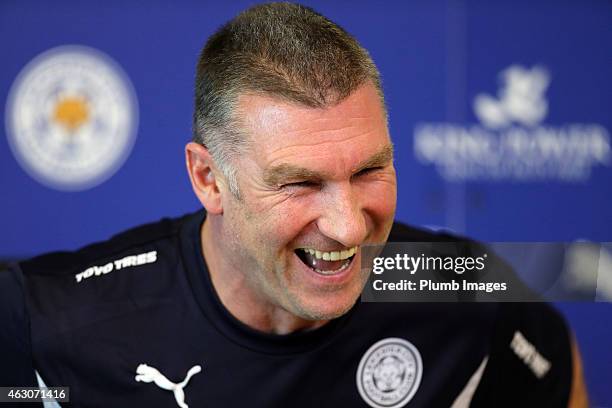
[(255, 302)]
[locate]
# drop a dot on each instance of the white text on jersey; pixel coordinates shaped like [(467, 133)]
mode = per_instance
[(131, 260)]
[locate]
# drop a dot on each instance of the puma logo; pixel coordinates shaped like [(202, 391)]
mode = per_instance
[(149, 374)]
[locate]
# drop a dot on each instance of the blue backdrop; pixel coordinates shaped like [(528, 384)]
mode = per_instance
[(458, 75)]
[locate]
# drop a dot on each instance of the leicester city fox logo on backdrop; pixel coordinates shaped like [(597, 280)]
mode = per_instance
[(389, 373), (71, 117)]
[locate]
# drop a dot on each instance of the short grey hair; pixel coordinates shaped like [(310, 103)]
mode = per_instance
[(282, 50)]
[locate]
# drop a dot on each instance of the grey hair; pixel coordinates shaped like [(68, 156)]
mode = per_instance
[(282, 50)]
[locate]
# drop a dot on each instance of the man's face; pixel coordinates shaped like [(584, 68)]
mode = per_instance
[(316, 185)]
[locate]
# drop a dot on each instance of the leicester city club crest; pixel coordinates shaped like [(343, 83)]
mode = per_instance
[(389, 373), (71, 117)]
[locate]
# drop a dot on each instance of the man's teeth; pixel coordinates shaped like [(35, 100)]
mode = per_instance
[(333, 255)]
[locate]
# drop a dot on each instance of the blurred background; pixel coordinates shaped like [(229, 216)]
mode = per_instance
[(500, 113)]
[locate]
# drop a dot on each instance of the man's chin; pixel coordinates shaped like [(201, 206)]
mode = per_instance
[(324, 311)]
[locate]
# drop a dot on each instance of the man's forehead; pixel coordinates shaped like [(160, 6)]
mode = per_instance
[(291, 139), (266, 115)]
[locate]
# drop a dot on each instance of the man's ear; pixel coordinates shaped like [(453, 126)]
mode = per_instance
[(204, 177)]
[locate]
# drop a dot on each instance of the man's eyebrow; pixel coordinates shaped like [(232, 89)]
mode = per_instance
[(379, 159), (283, 172)]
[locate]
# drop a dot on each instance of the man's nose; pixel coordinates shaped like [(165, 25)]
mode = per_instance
[(342, 218)]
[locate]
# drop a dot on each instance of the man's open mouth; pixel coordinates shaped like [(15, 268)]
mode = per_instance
[(326, 263)]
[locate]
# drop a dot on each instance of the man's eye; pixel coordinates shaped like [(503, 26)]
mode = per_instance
[(367, 171), (307, 184)]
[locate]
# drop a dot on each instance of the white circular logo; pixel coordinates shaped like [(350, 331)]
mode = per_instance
[(71, 117), (389, 373)]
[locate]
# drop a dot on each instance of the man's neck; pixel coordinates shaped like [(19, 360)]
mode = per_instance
[(236, 292)]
